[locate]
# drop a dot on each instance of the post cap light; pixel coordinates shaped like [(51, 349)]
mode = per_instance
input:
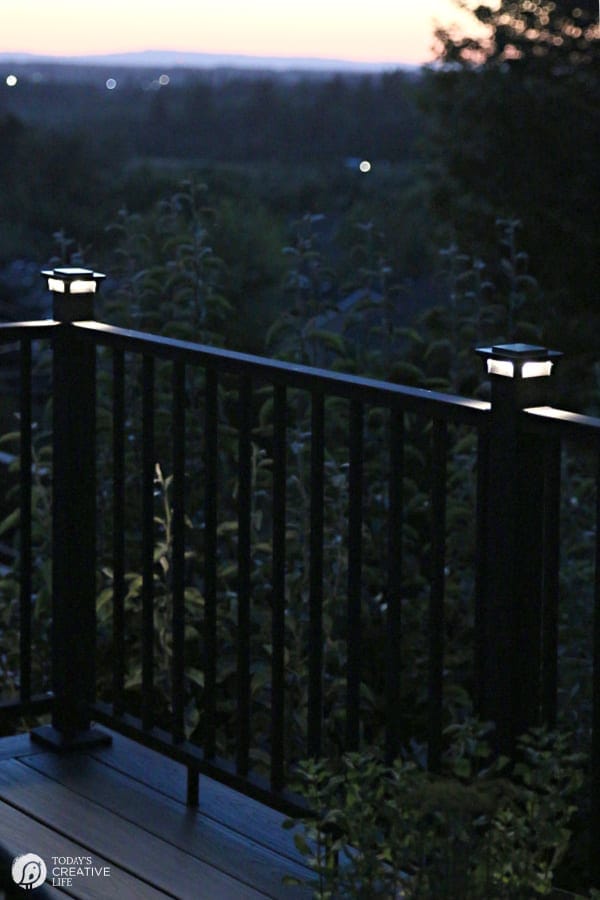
[(518, 360), (72, 290), (73, 280)]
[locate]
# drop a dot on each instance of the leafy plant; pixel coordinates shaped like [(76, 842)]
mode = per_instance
[(41, 536), (169, 276), (482, 829)]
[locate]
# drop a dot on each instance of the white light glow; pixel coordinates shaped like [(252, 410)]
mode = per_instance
[(111, 84), (163, 80), (536, 369), (506, 368), (82, 287), (11, 80), (501, 367), (365, 166), (58, 286)]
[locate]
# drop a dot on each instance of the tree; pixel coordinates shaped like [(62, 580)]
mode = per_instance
[(556, 36), (514, 132)]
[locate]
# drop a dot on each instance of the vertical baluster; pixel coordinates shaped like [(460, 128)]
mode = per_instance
[(244, 574), (178, 531), (481, 555), (278, 597), (355, 523), (595, 760), (25, 522), (148, 465), (192, 787), (436, 607), (118, 453), (550, 580), (315, 626), (210, 561), (394, 586)]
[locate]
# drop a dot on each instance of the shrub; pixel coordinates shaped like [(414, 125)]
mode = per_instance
[(480, 830)]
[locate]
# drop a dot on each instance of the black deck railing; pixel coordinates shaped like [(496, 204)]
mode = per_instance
[(318, 384), (516, 511)]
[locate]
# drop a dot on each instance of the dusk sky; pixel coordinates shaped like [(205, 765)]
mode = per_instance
[(395, 31)]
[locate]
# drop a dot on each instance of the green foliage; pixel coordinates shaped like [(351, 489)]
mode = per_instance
[(163, 644), (170, 275), (177, 275), (73, 155), (41, 584), (51, 180), (481, 830), (228, 116), (486, 304), (309, 288), (508, 136), (540, 35), (442, 355)]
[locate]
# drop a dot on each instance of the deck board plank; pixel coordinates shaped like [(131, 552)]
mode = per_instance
[(189, 830), (217, 801), (122, 843), (18, 745), (20, 834)]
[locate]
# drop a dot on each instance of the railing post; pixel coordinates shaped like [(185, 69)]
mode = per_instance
[(511, 607), (73, 516)]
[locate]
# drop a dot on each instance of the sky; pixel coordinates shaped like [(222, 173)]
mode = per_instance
[(394, 31)]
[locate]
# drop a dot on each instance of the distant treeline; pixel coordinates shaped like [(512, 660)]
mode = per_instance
[(235, 118)]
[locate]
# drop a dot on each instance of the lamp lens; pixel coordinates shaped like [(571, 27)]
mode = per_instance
[(501, 367)]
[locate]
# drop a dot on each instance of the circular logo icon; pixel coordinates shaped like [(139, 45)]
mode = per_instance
[(29, 871)]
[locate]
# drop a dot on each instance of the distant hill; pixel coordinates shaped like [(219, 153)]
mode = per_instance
[(167, 59)]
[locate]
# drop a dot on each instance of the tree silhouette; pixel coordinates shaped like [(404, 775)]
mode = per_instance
[(514, 131), (555, 36)]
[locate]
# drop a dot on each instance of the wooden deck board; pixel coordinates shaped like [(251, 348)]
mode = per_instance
[(217, 801), (21, 834), (18, 745), (123, 807), (189, 830)]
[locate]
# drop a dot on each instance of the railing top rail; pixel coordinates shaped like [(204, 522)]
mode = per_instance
[(561, 423), (430, 403), (542, 419), (14, 331)]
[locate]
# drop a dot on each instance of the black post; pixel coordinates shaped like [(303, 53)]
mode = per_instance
[(513, 584), (73, 534)]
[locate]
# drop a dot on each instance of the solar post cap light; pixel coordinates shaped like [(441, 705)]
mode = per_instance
[(74, 512), (519, 360), (72, 290), (519, 374)]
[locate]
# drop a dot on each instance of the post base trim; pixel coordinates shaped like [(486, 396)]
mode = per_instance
[(51, 737)]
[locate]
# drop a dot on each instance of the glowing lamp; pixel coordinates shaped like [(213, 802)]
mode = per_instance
[(518, 361), (72, 290), (519, 374)]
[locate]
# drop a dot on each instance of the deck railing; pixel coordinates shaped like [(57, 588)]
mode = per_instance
[(514, 469)]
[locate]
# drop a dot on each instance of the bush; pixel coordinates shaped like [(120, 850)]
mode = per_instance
[(480, 830)]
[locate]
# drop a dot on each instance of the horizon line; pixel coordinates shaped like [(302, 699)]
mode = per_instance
[(111, 57)]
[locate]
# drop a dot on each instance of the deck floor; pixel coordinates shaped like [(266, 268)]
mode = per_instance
[(123, 806)]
